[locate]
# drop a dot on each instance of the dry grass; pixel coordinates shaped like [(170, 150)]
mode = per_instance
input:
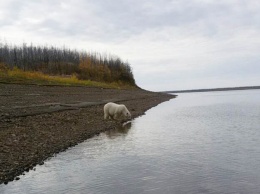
[(18, 76)]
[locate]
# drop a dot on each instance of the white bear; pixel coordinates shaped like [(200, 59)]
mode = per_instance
[(116, 111)]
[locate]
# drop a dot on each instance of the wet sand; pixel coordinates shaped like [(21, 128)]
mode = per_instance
[(37, 122)]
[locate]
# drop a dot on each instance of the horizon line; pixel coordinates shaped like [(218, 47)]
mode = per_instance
[(213, 89)]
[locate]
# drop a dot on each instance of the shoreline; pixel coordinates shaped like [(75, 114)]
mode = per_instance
[(38, 122)]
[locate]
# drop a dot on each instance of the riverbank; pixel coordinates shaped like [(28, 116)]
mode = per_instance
[(37, 122)]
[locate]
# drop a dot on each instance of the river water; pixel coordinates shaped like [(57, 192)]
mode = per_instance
[(197, 143)]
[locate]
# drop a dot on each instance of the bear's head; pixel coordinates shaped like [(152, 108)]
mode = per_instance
[(127, 114)]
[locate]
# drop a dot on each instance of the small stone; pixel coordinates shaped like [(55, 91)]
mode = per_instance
[(17, 178)]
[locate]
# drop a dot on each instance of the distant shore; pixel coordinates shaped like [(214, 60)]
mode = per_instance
[(215, 89), (37, 122)]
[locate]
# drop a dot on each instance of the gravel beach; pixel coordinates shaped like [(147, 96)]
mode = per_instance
[(37, 122)]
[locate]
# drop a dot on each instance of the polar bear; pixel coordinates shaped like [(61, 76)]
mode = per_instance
[(116, 111)]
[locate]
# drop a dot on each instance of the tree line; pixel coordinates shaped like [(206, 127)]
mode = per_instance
[(64, 61)]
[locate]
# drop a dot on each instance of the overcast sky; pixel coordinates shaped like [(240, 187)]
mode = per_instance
[(170, 44)]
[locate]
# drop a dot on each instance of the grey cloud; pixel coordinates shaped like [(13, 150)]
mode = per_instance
[(118, 20), (10, 12), (136, 16)]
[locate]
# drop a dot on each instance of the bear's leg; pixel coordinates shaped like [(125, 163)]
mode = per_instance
[(106, 116), (115, 117)]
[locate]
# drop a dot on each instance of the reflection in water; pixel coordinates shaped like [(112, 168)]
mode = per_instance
[(196, 143), (120, 130)]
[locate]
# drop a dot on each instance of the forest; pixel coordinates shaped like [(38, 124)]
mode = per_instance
[(56, 61)]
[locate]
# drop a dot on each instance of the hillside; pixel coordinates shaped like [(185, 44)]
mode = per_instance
[(52, 65)]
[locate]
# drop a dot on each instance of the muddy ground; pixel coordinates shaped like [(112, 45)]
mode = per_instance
[(37, 122)]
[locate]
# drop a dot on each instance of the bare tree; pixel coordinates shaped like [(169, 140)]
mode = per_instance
[(63, 61)]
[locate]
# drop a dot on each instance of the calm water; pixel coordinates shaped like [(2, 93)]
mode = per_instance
[(197, 143)]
